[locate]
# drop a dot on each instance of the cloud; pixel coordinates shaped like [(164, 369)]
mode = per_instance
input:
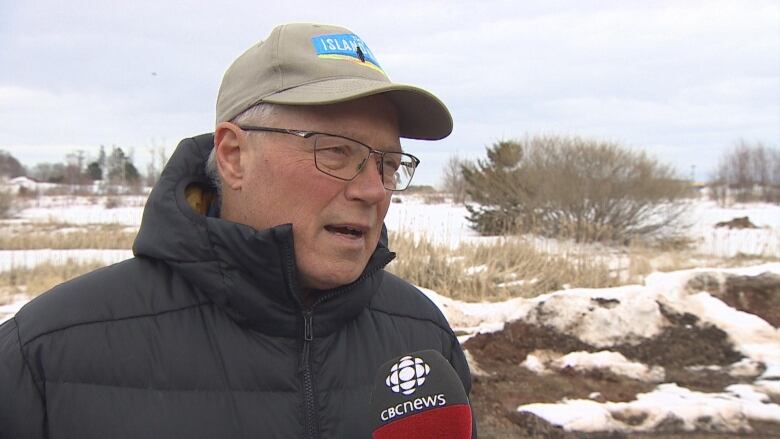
[(667, 75)]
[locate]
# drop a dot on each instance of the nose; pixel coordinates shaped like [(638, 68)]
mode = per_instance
[(368, 185)]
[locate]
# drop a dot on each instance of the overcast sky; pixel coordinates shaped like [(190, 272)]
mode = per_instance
[(681, 79)]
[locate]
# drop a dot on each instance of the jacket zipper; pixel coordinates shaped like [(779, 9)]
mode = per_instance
[(310, 410), (311, 426)]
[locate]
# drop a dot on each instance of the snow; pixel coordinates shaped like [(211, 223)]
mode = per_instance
[(615, 362), (745, 368), (628, 315), (440, 223), (763, 241), (480, 317), (668, 403), (600, 317), (9, 310)]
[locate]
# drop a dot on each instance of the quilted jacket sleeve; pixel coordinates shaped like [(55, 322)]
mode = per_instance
[(22, 411), (461, 366)]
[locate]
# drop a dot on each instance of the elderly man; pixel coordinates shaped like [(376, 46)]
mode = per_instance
[(256, 304)]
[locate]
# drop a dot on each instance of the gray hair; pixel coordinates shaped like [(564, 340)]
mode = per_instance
[(256, 115)]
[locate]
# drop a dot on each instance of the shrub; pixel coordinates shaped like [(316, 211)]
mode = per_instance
[(420, 189), (10, 166), (571, 187), (6, 202), (112, 203)]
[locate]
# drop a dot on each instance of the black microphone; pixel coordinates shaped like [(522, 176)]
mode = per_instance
[(419, 395)]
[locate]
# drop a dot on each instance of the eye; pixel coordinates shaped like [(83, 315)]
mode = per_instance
[(392, 163), (335, 150)]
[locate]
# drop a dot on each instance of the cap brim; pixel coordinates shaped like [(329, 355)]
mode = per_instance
[(421, 115)]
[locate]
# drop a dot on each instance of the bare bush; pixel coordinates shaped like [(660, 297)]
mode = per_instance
[(452, 179), (748, 172), (434, 199), (112, 203), (6, 203), (420, 190), (575, 188)]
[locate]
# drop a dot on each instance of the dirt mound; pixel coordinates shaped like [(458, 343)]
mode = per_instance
[(685, 342), (758, 295), (517, 340), (742, 222)]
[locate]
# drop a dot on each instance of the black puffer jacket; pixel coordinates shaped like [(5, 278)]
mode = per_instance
[(203, 335)]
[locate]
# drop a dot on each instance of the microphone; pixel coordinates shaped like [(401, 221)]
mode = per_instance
[(419, 395)]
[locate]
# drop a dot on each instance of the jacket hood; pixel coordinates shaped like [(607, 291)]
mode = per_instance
[(250, 274)]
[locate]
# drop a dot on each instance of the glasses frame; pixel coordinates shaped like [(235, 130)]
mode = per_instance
[(307, 134)]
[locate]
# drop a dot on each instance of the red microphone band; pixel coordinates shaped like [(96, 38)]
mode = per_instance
[(448, 422)]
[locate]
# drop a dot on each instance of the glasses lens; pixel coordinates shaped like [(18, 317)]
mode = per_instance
[(343, 158), (339, 157), (398, 170)]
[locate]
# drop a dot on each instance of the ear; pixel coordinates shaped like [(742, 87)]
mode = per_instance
[(228, 140)]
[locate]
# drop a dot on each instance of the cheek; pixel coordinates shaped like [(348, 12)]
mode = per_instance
[(300, 197), (382, 209)]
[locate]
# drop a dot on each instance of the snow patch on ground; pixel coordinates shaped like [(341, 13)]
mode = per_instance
[(668, 404), (480, 317), (764, 241), (9, 310), (602, 317), (542, 361)]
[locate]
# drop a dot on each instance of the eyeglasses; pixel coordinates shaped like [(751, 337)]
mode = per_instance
[(344, 158)]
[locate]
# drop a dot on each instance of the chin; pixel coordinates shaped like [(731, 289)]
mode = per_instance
[(330, 279)]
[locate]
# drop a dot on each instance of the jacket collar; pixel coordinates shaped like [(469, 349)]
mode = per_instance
[(250, 274)]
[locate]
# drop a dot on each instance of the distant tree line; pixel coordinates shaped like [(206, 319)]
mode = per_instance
[(747, 172), (114, 168)]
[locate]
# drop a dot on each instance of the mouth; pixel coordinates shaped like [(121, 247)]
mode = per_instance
[(347, 230)]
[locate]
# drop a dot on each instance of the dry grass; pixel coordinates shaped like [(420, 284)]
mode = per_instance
[(64, 236), (496, 270), (643, 260), (507, 268), (41, 278)]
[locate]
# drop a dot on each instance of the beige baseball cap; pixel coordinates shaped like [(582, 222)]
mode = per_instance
[(313, 64)]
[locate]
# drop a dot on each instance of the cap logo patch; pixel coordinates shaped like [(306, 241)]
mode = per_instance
[(348, 47)]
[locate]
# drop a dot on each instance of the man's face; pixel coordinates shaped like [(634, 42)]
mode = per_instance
[(281, 184)]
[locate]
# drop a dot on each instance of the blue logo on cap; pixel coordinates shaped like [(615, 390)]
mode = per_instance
[(345, 46)]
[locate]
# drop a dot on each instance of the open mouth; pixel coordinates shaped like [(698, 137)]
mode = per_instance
[(347, 231)]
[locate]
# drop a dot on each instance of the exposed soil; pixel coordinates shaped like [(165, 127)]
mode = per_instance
[(507, 385), (741, 222), (759, 295)]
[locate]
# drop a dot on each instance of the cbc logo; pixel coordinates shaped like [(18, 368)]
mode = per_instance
[(407, 375)]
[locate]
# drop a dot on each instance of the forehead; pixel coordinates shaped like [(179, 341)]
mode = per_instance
[(371, 120)]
